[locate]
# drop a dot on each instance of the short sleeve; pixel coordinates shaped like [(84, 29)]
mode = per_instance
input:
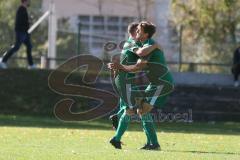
[(130, 46), (147, 45), (133, 48)]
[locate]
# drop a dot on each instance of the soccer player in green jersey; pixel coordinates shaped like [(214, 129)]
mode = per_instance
[(161, 82), (127, 58)]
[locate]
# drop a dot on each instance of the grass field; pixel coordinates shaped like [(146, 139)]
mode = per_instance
[(28, 138)]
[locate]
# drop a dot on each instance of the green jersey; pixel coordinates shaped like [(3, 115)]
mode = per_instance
[(161, 80), (157, 57), (123, 81)]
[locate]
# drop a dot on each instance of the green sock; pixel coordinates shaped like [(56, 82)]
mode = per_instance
[(148, 137), (122, 107), (122, 126), (120, 112), (149, 128)]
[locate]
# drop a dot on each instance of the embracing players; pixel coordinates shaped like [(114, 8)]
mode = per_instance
[(140, 53)]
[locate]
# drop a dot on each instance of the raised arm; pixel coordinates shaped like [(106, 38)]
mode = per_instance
[(144, 51), (141, 64)]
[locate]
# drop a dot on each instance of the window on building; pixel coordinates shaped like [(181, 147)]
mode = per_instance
[(100, 29)]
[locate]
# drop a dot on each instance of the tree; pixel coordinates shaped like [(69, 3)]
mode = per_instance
[(209, 28), (142, 7)]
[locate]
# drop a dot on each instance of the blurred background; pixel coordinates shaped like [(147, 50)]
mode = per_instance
[(197, 36), (200, 119)]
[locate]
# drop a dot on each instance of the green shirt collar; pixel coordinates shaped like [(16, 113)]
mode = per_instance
[(138, 43), (149, 41)]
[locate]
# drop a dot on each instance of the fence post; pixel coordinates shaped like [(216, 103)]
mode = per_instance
[(43, 62), (79, 39), (191, 67), (52, 34)]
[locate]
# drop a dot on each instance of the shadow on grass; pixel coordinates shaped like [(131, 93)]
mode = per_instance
[(223, 128), (202, 152)]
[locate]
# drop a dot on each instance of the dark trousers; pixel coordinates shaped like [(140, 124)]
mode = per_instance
[(21, 37), (236, 71)]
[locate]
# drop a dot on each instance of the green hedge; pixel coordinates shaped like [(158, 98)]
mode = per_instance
[(26, 92)]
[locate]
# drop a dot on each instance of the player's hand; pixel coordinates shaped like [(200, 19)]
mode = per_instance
[(114, 66), (140, 112), (141, 64), (110, 66)]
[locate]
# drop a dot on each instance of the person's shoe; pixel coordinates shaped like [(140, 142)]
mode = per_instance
[(114, 119), (155, 147), (3, 65), (236, 84), (146, 147), (32, 67), (116, 144)]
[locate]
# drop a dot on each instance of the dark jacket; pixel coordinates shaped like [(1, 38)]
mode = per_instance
[(236, 56), (22, 21)]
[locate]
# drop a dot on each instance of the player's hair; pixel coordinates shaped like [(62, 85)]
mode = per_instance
[(132, 27), (148, 27), (22, 1)]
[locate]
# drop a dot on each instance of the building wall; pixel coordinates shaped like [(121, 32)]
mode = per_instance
[(114, 14), (99, 7)]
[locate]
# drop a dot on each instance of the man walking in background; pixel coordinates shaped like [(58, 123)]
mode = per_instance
[(236, 66), (22, 35)]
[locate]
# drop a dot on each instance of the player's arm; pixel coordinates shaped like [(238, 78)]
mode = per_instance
[(141, 64), (145, 50), (115, 59)]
